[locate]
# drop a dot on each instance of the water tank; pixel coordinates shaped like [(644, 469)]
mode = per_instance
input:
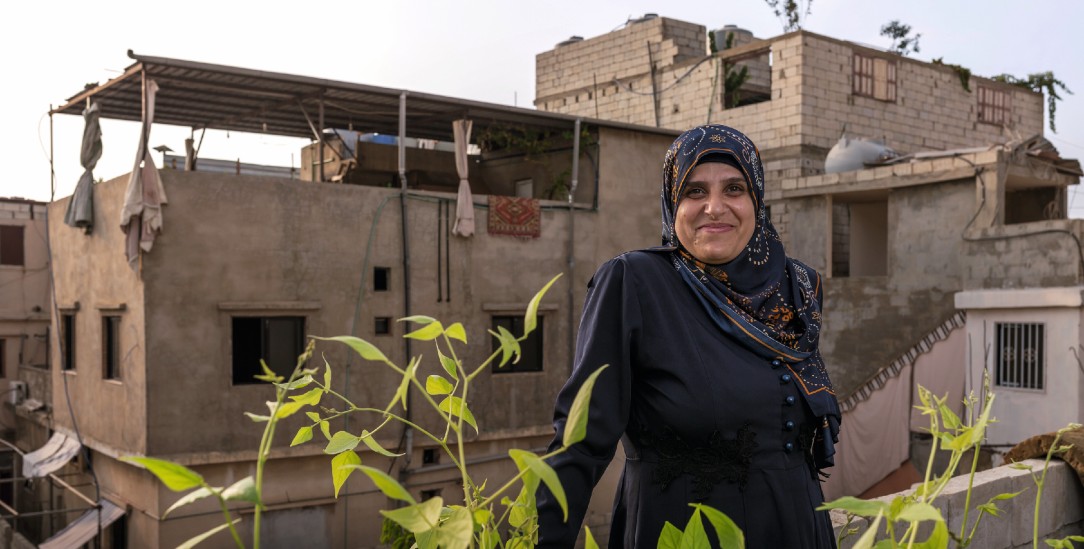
[(741, 36), (853, 153), (571, 40), (646, 17)]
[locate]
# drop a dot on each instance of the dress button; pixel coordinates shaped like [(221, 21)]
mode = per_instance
[(790, 400), (777, 363), (788, 426), (789, 447), (785, 378)]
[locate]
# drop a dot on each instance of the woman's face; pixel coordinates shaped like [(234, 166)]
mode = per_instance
[(715, 215)]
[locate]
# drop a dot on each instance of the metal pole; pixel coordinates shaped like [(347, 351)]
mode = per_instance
[(408, 433), (572, 244), (321, 137)]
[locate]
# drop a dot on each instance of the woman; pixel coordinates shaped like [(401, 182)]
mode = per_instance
[(715, 384)]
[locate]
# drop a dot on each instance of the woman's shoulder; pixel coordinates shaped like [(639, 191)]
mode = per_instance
[(647, 264)]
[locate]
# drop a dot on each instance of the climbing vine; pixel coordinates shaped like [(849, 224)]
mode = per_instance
[(1042, 82)]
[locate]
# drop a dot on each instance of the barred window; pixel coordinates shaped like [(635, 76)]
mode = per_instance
[(995, 106), (1020, 358), (874, 77)]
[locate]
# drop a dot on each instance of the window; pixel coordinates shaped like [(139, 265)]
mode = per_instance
[(277, 340), (875, 77), (860, 238), (1019, 361), (382, 325), (11, 245), (380, 278), (530, 359), (430, 456), (995, 106), (67, 341), (3, 357), (427, 495), (111, 347)]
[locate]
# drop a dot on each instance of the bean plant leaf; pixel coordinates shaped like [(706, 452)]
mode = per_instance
[(298, 383), (589, 539), (694, 536), (325, 428), (938, 538), (523, 509), (257, 418), (670, 537), (541, 469), (285, 409), (194, 495), (509, 345), (268, 374), (418, 319), (327, 376), (315, 417), (175, 476), (341, 442), (456, 407), (866, 541), (303, 435), (855, 506), (311, 398), (418, 517), (530, 318), (576, 422), (404, 385), (456, 530), (730, 535), (385, 483), (200, 538), (456, 331), (428, 332), (367, 438), (948, 417), (437, 385), (367, 350), (918, 511), (242, 490), (449, 365), (342, 466)]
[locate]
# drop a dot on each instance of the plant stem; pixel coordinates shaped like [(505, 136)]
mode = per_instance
[(229, 520), (970, 483)]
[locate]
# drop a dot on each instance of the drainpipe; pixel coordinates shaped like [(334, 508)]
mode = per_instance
[(320, 136), (408, 433), (572, 245)]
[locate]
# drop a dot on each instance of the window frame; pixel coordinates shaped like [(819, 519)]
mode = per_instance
[(1024, 337), (864, 78), (994, 106), (7, 238), (111, 361), (245, 376)]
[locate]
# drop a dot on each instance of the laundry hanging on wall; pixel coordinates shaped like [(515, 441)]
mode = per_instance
[(80, 212), (514, 216), (141, 217)]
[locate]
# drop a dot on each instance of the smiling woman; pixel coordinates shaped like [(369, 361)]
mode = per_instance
[(715, 387)]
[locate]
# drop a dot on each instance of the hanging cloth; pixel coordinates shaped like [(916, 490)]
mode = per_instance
[(80, 212), (464, 205), (141, 217)]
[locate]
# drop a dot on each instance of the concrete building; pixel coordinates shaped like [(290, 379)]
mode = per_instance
[(966, 197), (162, 355)]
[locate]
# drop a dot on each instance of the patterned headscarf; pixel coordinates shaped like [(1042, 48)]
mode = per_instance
[(768, 302)]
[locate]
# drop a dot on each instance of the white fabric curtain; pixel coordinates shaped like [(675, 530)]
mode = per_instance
[(464, 205), (141, 217)]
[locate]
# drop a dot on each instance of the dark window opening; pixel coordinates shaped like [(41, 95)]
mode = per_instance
[(67, 342), (382, 325), (430, 494), (7, 477), (430, 456), (111, 347), (11, 245), (1037, 204), (1020, 351), (3, 357), (381, 277), (530, 349), (118, 533), (860, 239), (277, 340)]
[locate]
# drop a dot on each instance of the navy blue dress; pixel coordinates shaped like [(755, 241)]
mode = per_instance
[(701, 419)]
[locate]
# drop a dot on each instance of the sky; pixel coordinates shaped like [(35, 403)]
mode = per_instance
[(481, 50)]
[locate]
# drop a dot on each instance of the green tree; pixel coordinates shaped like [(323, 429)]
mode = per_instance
[(902, 42)]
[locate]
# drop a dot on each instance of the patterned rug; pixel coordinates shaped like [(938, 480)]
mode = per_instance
[(513, 216)]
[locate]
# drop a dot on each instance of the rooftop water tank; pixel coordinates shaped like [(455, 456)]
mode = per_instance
[(741, 36), (853, 153), (571, 40)]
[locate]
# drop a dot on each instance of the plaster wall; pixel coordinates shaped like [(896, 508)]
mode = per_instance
[(93, 278), (1032, 411), (24, 307)]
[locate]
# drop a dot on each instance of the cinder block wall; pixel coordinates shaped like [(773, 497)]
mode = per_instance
[(1061, 507)]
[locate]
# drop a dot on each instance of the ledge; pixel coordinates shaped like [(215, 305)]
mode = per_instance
[(1024, 298), (269, 306)]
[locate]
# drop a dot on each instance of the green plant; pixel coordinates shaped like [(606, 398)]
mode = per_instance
[(485, 519), (902, 44), (1040, 482), (962, 72), (1040, 82), (733, 79), (790, 12)]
